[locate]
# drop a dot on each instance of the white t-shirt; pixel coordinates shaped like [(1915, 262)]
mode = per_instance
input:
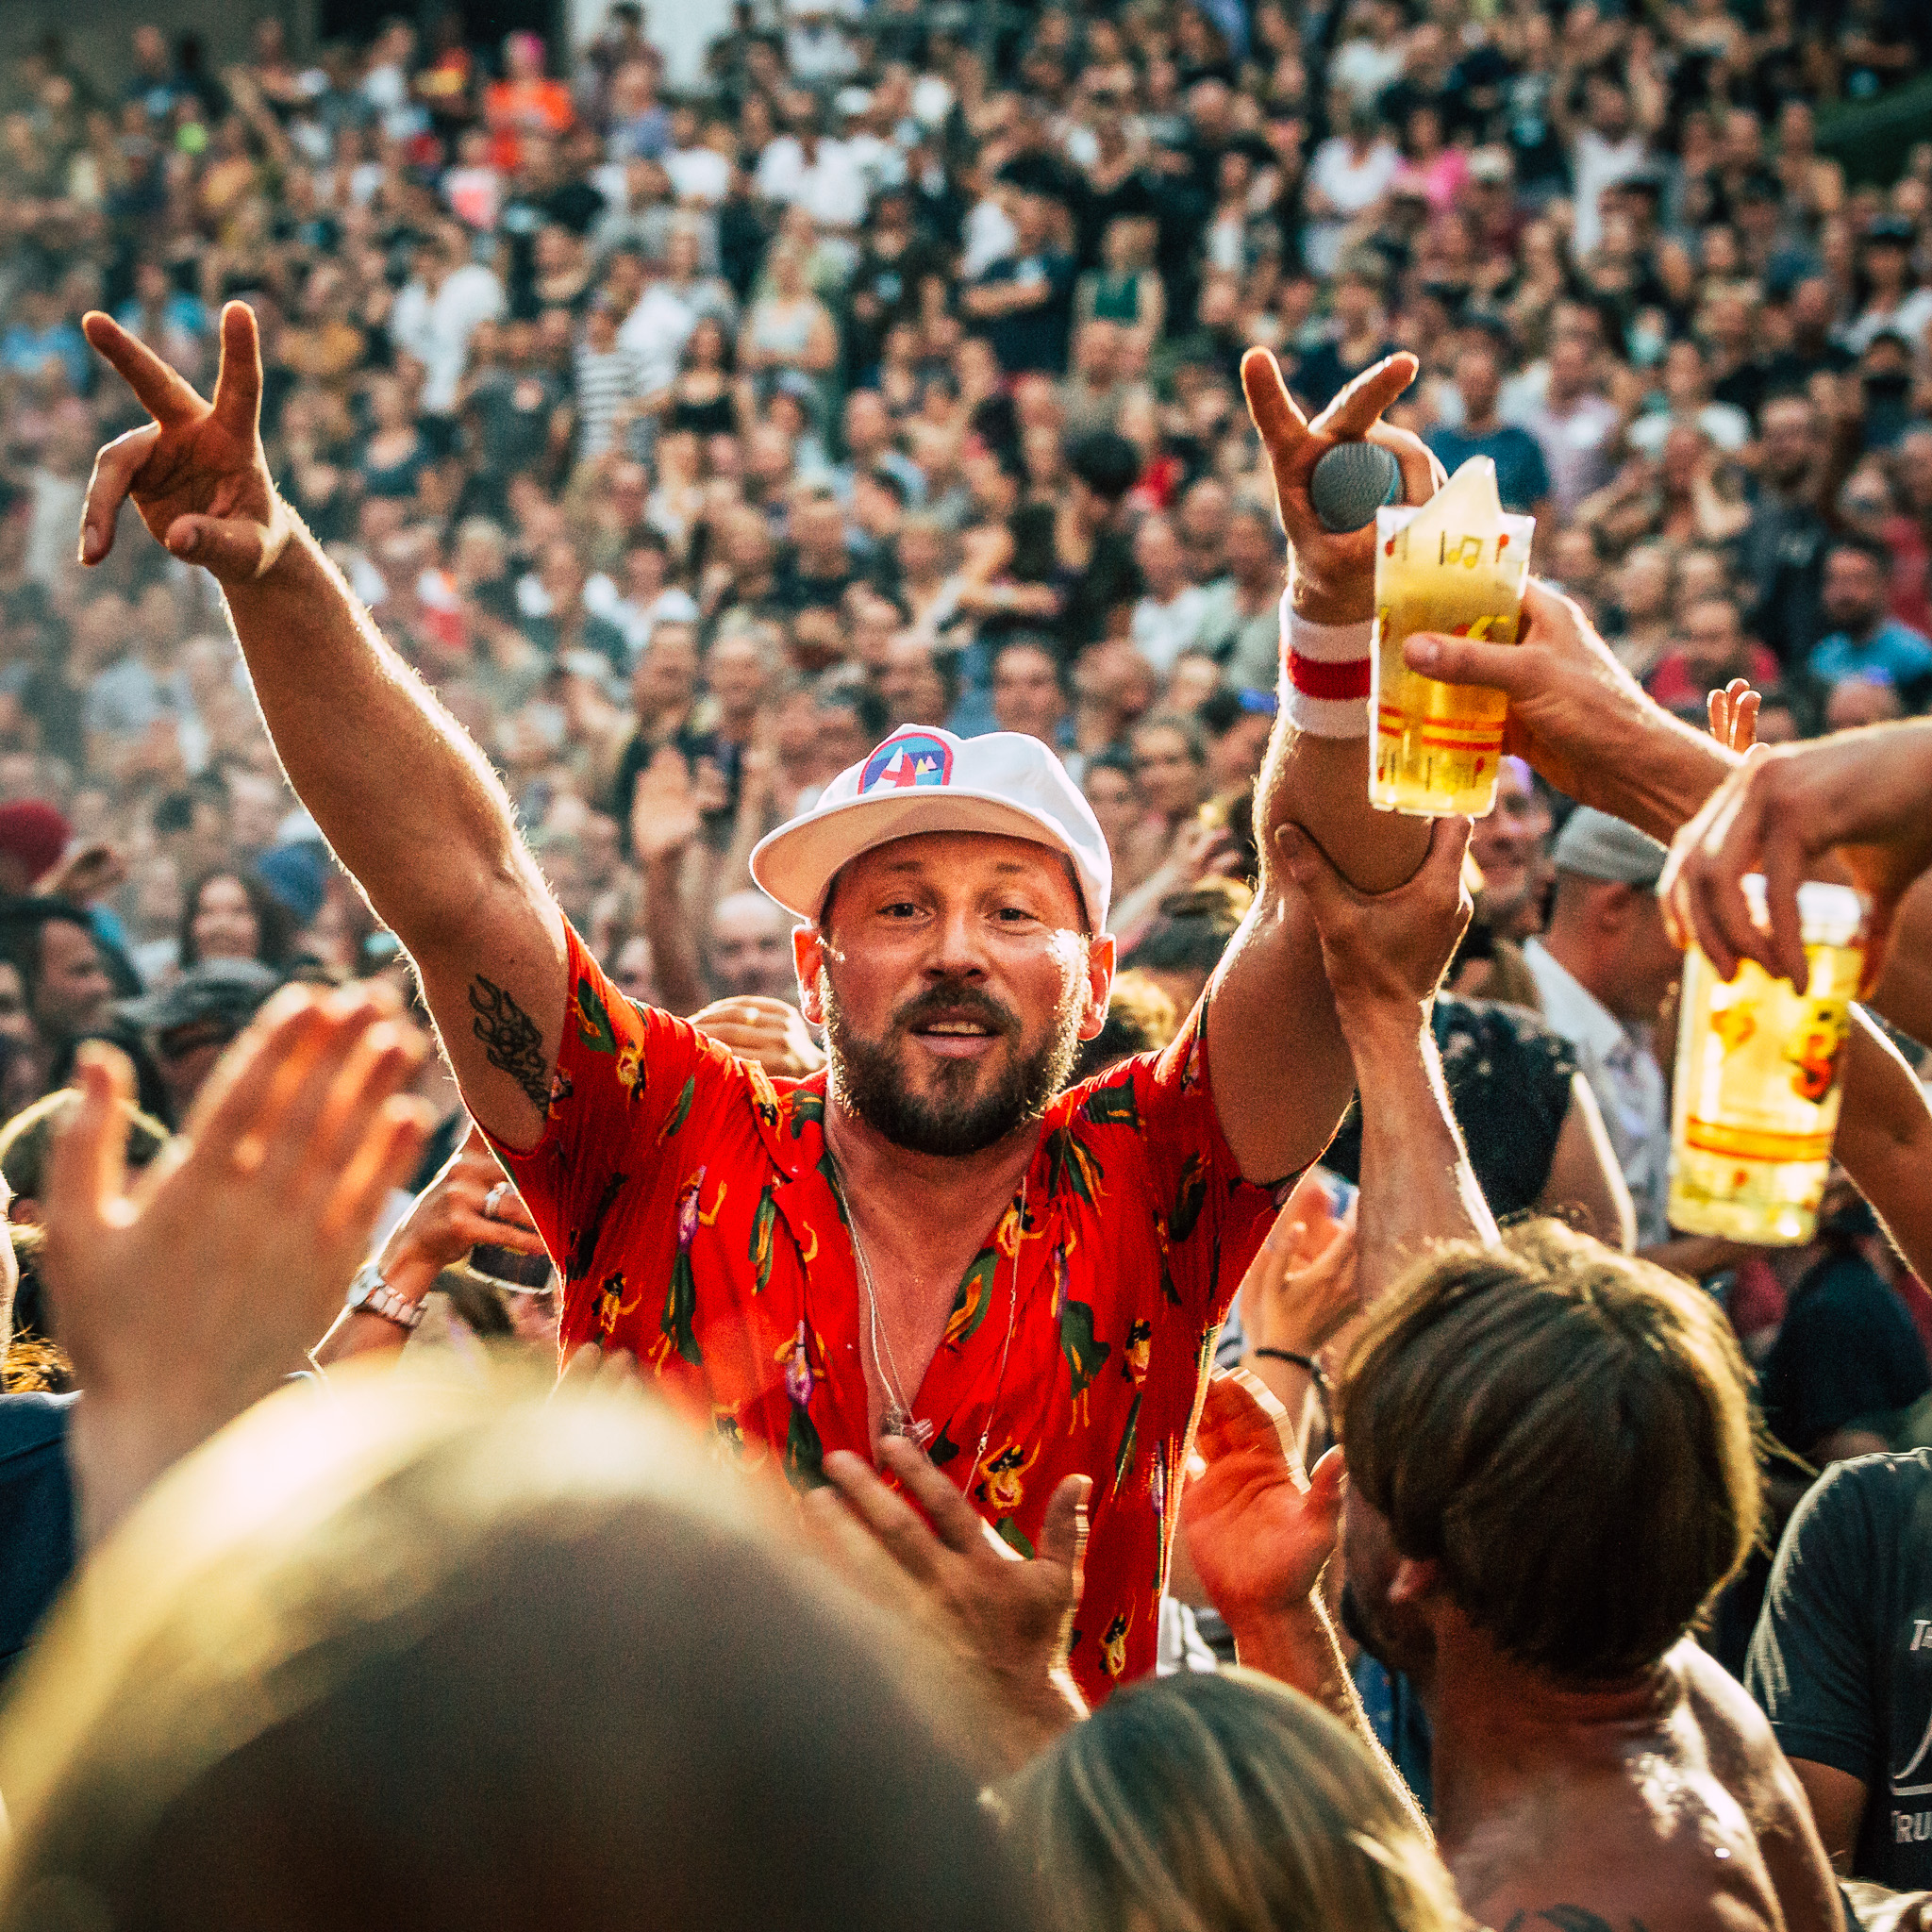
[(1595, 165), (1162, 631), (435, 330), (698, 174), (1351, 185), (655, 332), (1907, 320)]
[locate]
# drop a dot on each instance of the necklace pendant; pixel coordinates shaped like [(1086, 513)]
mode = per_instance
[(897, 1423)]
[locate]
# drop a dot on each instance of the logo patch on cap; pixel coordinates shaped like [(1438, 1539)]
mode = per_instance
[(913, 758)]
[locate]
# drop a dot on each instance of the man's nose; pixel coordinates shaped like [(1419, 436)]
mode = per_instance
[(958, 947)]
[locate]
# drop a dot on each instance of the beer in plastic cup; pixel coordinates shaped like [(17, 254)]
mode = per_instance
[(1757, 1079), (1457, 563)]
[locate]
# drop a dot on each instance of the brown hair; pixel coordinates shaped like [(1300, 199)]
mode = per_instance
[(1219, 1803), (1565, 1431)]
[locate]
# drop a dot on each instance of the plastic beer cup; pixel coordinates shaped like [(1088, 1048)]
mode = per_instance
[(1455, 564), (1758, 1087)]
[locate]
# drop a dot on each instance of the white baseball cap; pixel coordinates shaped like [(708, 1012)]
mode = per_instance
[(922, 779)]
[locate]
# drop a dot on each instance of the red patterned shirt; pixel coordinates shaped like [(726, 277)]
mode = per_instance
[(686, 1198)]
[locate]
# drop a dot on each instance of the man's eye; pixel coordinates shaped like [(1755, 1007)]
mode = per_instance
[(1014, 912), (900, 909)]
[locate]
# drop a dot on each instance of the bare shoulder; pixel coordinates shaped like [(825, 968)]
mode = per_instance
[(1746, 1760), (1734, 1728)]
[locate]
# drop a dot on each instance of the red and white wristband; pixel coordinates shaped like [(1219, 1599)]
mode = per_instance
[(1327, 675)]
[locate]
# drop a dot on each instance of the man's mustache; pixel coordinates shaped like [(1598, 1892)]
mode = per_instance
[(959, 1001)]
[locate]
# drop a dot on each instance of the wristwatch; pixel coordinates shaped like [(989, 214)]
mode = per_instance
[(370, 1294)]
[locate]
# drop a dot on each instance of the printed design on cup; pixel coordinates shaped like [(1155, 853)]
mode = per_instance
[(1756, 1090), (1455, 565)]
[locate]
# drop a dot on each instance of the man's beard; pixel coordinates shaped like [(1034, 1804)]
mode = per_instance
[(869, 1078)]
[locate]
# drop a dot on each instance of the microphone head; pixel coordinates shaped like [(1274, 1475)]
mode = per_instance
[(1351, 482)]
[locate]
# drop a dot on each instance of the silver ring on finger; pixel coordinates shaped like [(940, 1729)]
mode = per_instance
[(493, 1199)]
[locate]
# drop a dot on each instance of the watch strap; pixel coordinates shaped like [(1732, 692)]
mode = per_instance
[(370, 1294)]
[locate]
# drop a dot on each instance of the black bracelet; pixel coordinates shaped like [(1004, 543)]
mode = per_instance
[(1306, 1363)]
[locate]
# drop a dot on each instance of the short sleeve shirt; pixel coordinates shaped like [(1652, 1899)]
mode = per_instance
[(687, 1200), (1842, 1661)]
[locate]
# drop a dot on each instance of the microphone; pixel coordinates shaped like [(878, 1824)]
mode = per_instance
[(1351, 482)]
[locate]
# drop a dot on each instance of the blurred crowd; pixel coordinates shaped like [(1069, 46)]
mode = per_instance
[(686, 442)]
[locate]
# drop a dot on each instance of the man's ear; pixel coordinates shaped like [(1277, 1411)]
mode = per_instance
[(808, 958), (1100, 958)]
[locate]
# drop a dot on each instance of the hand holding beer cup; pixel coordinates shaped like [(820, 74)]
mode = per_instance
[(1576, 715), (1866, 794)]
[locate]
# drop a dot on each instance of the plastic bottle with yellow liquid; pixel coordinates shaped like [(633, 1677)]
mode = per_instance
[(1455, 564)]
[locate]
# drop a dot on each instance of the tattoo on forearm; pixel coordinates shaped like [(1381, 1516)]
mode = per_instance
[(511, 1040)]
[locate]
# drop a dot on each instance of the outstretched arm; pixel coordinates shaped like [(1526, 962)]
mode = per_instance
[(1385, 956), (1271, 1027), (403, 797)]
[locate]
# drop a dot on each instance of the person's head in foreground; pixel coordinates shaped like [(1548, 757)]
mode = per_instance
[(955, 954), (1220, 1804), (1551, 1454), (410, 1655)]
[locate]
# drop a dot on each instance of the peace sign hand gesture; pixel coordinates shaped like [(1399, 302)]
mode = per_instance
[(1334, 574), (197, 473)]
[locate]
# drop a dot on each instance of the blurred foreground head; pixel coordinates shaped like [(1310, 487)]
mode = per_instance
[(408, 1656), (1216, 1804)]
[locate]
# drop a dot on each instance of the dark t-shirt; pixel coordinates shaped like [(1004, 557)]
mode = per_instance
[(1522, 478), (1846, 1350), (1033, 338), (36, 1515), (1842, 1660)]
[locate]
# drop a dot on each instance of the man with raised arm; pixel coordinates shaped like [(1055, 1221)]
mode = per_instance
[(930, 1239)]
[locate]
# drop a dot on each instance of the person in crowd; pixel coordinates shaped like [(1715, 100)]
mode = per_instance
[(51, 944), (228, 915), (189, 1023), (938, 959), (1863, 638), (1602, 969), (1833, 1664), (1217, 1800)]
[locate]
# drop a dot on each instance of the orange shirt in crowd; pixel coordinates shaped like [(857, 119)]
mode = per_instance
[(514, 106)]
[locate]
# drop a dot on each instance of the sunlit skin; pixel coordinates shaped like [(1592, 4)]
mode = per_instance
[(999, 914), (1000, 918)]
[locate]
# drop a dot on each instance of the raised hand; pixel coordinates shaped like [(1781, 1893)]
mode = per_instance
[(1865, 794), (1009, 1615), (197, 473), (1578, 716), (1259, 1530), (185, 1300), (1385, 949), (1301, 1290), (1734, 715), (1334, 575), (664, 814), (771, 1032), (467, 1203)]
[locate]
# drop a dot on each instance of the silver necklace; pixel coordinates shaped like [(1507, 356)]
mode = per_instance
[(898, 1419)]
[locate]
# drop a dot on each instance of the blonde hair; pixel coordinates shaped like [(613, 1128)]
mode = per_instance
[(1222, 1803)]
